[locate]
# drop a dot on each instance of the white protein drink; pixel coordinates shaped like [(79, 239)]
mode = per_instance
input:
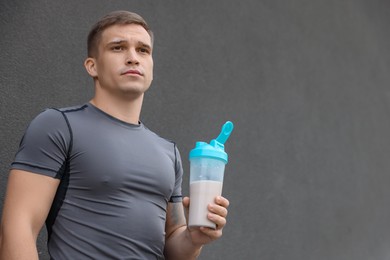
[(202, 193)]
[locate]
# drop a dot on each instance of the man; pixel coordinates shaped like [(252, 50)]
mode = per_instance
[(107, 187)]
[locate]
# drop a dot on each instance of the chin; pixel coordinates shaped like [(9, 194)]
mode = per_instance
[(133, 92)]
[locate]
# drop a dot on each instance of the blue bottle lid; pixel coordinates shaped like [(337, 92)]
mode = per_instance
[(216, 148)]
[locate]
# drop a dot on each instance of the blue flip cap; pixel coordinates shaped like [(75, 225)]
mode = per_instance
[(216, 148)]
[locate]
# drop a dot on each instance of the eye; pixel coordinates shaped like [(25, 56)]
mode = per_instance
[(144, 50), (117, 48)]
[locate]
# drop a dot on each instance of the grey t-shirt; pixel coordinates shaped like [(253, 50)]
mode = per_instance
[(116, 181)]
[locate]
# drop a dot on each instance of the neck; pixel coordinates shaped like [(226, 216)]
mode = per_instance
[(124, 110)]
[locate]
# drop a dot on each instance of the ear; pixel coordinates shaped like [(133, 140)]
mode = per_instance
[(90, 66)]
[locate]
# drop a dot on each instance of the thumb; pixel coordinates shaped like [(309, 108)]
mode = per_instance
[(186, 202), (186, 205)]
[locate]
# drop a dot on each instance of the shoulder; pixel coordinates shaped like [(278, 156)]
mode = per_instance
[(169, 146), (160, 139), (53, 113), (47, 119), (71, 109), (52, 120), (56, 115)]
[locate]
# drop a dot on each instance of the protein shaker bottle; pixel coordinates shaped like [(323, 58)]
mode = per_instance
[(207, 166)]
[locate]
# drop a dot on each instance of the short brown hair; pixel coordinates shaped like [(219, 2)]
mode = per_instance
[(113, 18)]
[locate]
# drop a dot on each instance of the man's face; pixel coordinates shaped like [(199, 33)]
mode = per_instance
[(124, 64)]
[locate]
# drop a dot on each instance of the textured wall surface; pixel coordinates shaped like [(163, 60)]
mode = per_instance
[(306, 83)]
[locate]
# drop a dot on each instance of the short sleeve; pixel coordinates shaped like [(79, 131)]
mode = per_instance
[(45, 144), (177, 195)]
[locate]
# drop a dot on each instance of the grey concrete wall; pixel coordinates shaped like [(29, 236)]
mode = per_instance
[(306, 83)]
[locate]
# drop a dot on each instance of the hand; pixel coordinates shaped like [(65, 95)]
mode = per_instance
[(217, 214)]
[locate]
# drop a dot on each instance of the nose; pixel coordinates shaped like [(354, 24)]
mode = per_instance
[(132, 57)]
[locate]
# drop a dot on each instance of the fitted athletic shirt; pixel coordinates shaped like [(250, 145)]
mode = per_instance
[(116, 181)]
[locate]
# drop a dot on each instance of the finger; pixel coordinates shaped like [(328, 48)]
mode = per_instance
[(222, 201), (217, 219), (211, 233), (219, 210)]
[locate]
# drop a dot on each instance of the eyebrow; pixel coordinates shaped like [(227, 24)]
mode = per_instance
[(115, 42)]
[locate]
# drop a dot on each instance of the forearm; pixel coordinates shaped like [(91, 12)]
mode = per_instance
[(179, 246)]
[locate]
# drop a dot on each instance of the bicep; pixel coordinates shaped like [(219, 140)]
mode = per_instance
[(175, 218), (28, 200)]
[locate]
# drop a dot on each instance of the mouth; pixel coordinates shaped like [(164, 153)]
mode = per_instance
[(132, 72)]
